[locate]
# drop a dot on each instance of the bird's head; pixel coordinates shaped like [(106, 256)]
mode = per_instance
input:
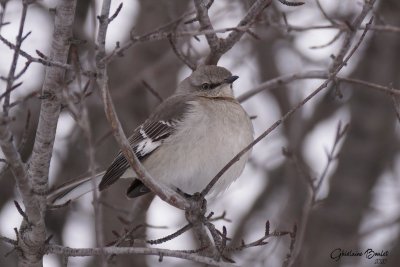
[(209, 81)]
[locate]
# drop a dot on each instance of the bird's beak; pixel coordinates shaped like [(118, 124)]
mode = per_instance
[(231, 79)]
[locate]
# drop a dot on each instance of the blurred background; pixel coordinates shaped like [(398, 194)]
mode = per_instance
[(358, 204)]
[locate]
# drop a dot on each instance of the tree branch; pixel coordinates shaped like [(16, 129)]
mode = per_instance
[(219, 46), (33, 238), (76, 252)]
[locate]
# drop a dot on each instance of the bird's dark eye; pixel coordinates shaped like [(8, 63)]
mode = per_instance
[(205, 86)]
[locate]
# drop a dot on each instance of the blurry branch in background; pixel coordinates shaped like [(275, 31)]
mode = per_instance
[(81, 117), (187, 61), (219, 46), (340, 27), (3, 5), (339, 62), (317, 74), (340, 134), (396, 105), (314, 185), (153, 91), (165, 33), (11, 74)]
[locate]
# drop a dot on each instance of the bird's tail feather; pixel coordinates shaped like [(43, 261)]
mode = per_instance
[(73, 189)]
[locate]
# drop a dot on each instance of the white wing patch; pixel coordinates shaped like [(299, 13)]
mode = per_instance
[(143, 132), (150, 137), (169, 124), (146, 146)]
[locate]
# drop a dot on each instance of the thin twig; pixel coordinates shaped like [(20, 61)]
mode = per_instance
[(287, 3), (8, 240), (396, 105), (171, 236), (289, 256), (328, 18), (22, 213), (3, 5), (178, 53), (152, 91), (334, 39), (340, 134), (44, 61), (110, 19), (11, 74)]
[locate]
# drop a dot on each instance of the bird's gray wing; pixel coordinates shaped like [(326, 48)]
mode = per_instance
[(149, 136)]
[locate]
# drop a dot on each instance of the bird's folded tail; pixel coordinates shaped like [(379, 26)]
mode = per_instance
[(73, 189)]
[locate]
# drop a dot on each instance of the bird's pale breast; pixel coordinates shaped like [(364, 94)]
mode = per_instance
[(202, 146)]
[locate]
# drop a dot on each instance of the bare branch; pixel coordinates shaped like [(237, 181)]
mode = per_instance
[(33, 238), (279, 81), (11, 74), (325, 14), (3, 5), (22, 213), (205, 23), (396, 105), (261, 241), (179, 54), (288, 257), (340, 133), (288, 78), (115, 13), (8, 240), (80, 252), (349, 36), (287, 3), (334, 39), (42, 59), (219, 46), (171, 236)]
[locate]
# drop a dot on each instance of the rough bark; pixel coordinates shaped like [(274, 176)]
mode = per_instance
[(33, 233)]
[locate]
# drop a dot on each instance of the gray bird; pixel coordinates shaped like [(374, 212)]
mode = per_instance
[(184, 143)]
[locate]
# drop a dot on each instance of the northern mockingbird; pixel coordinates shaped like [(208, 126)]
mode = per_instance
[(185, 142)]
